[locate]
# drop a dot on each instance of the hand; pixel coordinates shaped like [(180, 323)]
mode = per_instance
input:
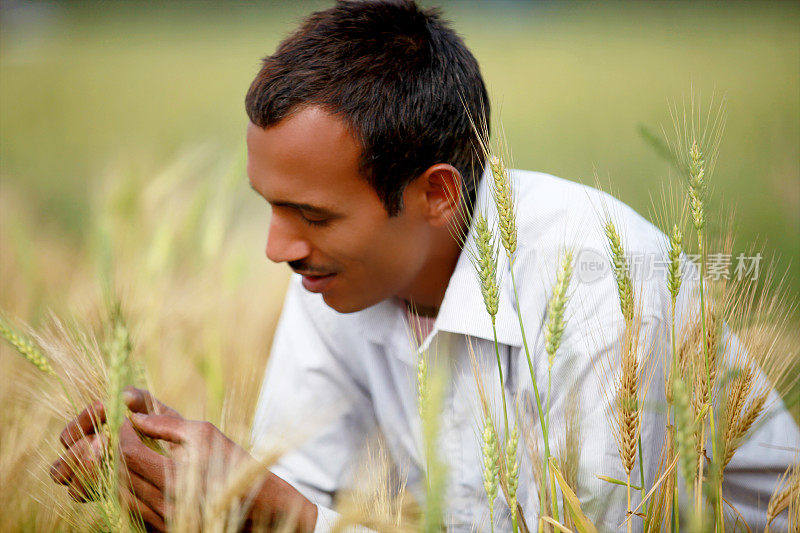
[(202, 446), (146, 474), (151, 476)]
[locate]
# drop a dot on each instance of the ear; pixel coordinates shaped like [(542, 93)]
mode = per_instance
[(441, 186)]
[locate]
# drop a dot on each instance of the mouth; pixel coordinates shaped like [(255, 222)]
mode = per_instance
[(317, 283)]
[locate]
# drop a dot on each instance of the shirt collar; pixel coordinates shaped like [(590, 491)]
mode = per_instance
[(462, 310)]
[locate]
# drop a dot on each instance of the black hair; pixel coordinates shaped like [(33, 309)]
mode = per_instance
[(400, 77)]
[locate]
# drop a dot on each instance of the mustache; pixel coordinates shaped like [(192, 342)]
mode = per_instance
[(302, 266)]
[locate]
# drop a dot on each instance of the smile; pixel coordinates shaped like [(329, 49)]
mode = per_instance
[(317, 283)]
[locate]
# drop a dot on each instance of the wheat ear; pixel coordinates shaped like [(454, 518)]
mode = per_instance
[(512, 473), (786, 495), (486, 263), (697, 186), (697, 192), (504, 202), (553, 332), (491, 464), (25, 347), (743, 423), (621, 272), (628, 386), (554, 329)]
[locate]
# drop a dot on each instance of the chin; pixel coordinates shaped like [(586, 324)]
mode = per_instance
[(344, 305), (340, 306)]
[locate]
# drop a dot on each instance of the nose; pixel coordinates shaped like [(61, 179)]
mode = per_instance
[(284, 243)]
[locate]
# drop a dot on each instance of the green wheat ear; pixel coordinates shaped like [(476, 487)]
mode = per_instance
[(621, 271), (491, 464), (422, 384), (697, 185), (487, 265), (25, 347), (675, 250), (512, 468), (504, 201), (554, 329)]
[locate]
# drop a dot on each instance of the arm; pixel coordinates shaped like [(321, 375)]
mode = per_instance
[(194, 447)]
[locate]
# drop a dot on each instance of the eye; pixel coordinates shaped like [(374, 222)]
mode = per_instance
[(314, 222)]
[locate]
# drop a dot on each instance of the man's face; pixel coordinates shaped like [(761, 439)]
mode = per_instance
[(327, 222)]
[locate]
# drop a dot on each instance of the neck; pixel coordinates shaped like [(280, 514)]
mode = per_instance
[(424, 296), (421, 310)]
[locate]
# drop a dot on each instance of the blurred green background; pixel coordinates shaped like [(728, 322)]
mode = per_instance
[(86, 85)]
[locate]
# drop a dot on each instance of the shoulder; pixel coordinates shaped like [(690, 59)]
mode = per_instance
[(555, 215), (550, 207)]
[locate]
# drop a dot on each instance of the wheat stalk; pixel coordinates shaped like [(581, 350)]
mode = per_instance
[(627, 390), (503, 196), (674, 278), (487, 419), (553, 332), (486, 264), (685, 432), (697, 191), (570, 457)]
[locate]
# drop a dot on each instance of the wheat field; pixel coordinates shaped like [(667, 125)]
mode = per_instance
[(126, 177)]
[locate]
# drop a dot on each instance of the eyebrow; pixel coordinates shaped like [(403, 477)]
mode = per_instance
[(312, 209)]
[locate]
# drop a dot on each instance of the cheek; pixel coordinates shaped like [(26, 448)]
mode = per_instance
[(393, 259), (381, 260)]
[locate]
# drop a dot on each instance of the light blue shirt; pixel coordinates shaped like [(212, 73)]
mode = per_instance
[(333, 380)]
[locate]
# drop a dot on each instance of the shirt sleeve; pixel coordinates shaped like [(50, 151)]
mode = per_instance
[(311, 405)]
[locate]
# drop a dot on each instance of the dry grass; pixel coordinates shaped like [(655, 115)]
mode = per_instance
[(163, 265)]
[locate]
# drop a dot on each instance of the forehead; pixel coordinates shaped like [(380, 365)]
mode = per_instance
[(308, 157)]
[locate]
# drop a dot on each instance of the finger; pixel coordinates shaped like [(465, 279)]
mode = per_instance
[(145, 492), (139, 459), (79, 461), (78, 494), (152, 520), (86, 423), (141, 401), (162, 427)]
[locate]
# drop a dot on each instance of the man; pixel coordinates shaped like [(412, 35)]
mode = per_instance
[(362, 141)]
